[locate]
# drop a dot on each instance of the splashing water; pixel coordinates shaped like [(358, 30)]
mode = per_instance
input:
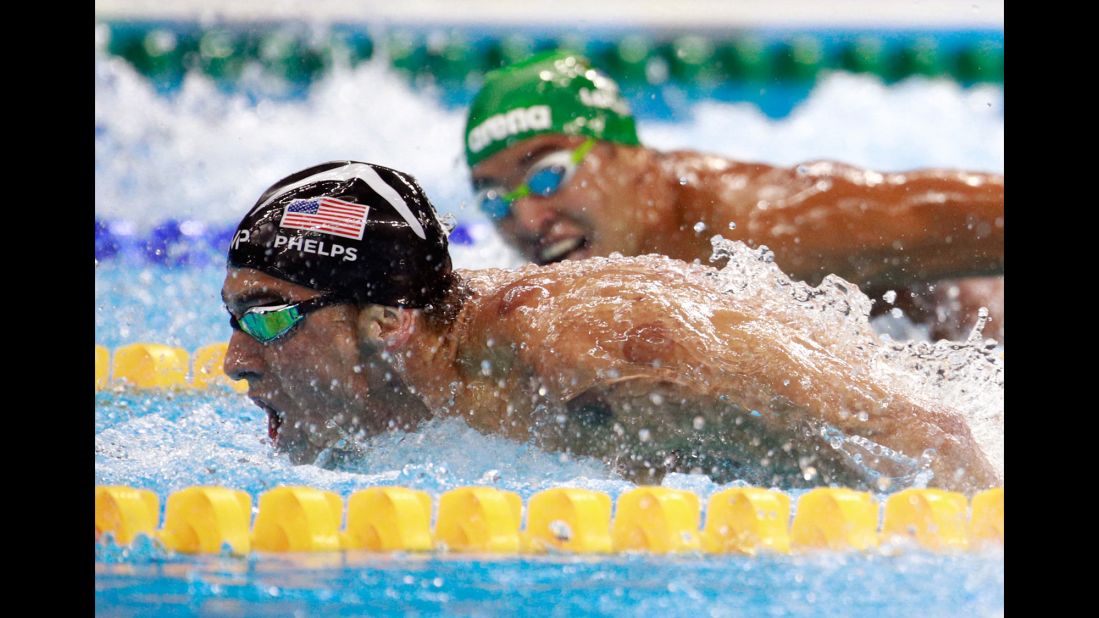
[(965, 376)]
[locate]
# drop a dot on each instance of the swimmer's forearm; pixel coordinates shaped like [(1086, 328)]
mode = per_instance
[(955, 458), (825, 388)]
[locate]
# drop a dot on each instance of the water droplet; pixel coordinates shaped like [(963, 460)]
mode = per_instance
[(448, 221), (732, 225), (644, 435), (896, 312), (699, 227), (699, 423), (486, 368), (561, 530), (656, 398), (890, 296)]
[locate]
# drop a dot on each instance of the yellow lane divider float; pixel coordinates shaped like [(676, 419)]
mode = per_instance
[(747, 520), (150, 365), (154, 365), (987, 522), (389, 519), (936, 519), (125, 512), (298, 519), (657, 520), (488, 520), (479, 519), (208, 368), (831, 518), (567, 519), (203, 520), (102, 367)]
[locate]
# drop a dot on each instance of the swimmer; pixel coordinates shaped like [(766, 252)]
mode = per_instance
[(557, 165), (348, 321)]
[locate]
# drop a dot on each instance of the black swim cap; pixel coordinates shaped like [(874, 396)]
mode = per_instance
[(356, 229)]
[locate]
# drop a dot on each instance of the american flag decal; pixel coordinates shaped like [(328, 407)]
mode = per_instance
[(327, 215)]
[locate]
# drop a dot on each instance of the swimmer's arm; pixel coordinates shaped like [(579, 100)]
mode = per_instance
[(649, 338), (875, 230), (794, 386), (824, 387)]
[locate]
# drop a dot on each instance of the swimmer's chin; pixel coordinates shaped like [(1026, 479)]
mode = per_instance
[(299, 452), (330, 457), (319, 450)]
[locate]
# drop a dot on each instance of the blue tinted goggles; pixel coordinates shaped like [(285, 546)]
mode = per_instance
[(545, 178)]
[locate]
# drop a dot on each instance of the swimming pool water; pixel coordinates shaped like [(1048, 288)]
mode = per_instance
[(202, 154), (912, 584)]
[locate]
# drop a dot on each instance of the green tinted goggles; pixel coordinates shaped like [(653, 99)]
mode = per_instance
[(266, 324)]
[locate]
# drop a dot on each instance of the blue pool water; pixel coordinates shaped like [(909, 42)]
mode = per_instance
[(913, 584), (201, 155)]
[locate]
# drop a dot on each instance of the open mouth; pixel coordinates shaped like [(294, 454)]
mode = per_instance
[(274, 420), (561, 249)]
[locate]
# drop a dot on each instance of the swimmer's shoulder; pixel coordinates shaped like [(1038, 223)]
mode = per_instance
[(583, 299), (581, 283)]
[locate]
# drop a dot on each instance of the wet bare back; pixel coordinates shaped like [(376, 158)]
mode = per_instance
[(648, 363)]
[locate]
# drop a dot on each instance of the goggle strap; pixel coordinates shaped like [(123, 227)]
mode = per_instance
[(521, 192), (581, 152)]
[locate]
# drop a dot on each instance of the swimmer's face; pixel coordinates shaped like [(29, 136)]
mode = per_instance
[(592, 213), (313, 380)]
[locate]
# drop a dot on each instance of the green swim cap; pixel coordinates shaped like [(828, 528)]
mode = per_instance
[(554, 92)]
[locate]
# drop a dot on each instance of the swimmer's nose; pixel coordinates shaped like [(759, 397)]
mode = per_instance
[(244, 358), (533, 216)]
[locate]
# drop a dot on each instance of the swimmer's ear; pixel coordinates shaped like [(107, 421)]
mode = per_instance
[(383, 327)]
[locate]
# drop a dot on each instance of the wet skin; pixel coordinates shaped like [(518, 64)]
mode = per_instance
[(879, 231), (640, 361)]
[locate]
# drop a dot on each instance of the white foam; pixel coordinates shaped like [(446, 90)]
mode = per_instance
[(855, 119)]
